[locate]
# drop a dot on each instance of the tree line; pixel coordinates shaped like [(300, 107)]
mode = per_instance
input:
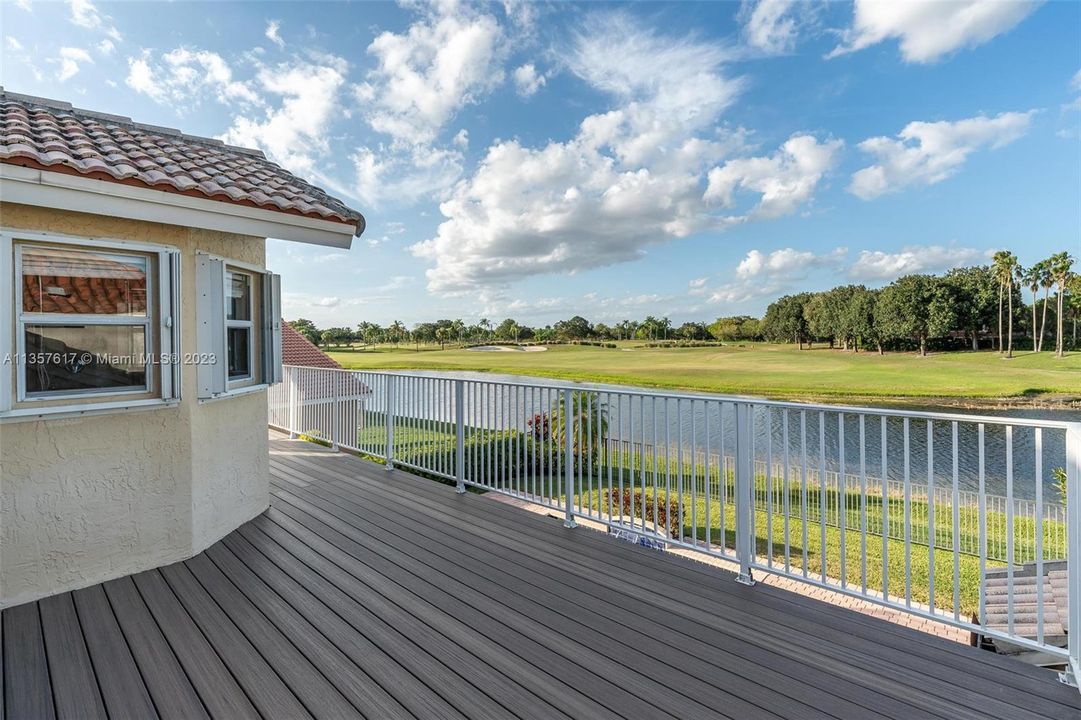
[(969, 307)]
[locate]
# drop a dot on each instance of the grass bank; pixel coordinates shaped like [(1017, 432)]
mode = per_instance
[(978, 379)]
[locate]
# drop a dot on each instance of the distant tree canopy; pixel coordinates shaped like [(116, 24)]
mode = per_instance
[(962, 308)]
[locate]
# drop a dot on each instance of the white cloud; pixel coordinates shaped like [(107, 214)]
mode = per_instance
[(697, 286), (13, 44), (295, 132), (784, 180), (629, 178), (769, 26), (929, 29), (761, 274), (386, 174), (874, 265), (272, 34), (462, 139), (527, 81), (85, 14), (106, 47), (447, 59), (24, 5), (1075, 83), (70, 60), (928, 152), (181, 75)]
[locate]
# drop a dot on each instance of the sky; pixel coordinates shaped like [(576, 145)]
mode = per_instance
[(541, 160)]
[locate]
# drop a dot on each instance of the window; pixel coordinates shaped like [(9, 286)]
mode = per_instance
[(238, 318), (238, 323), (90, 319)]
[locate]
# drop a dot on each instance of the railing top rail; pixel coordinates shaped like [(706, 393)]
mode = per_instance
[(743, 399)]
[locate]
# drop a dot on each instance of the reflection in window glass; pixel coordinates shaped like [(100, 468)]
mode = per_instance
[(83, 283), (85, 357), (239, 352), (238, 303)]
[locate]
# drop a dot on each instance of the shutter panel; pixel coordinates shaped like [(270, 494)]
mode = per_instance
[(210, 325), (169, 264), (272, 328)]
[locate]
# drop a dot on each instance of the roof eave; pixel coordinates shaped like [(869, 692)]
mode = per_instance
[(45, 188)]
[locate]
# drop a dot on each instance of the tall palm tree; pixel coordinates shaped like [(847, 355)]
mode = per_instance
[(1004, 265), (1030, 278), (397, 331), (1061, 271), (1046, 282)]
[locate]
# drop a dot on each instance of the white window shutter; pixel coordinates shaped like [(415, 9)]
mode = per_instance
[(210, 325), (272, 328), (171, 367)]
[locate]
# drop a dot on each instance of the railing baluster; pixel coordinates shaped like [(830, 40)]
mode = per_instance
[(745, 549), (932, 534), (1039, 534), (1009, 528)]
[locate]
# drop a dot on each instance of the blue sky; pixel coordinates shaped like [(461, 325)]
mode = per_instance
[(611, 160)]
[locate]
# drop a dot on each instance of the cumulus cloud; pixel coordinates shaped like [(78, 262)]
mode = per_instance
[(272, 33), (928, 29), (294, 130), (385, 174), (630, 177), (872, 265), (449, 58), (925, 153), (85, 14), (762, 274), (183, 74), (783, 181), (70, 59), (527, 80), (770, 25)]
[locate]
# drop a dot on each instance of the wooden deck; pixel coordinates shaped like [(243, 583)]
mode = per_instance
[(382, 595)]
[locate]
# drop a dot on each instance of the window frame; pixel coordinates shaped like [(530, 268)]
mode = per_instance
[(23, 319), (162, 330), (248, 325)]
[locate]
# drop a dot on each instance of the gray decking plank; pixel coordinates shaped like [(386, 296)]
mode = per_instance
[(122, 686), (357, 686), (214, 682), (168, 684), (27, 687), (311, 687), (266, 690), (585, 680), (436, 488), (999, 670), (740, 666), (451, 637), (694, 677), (962, 679), (409, 673), (77, 696)]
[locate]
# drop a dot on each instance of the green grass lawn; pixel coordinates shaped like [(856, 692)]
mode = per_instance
[(776, 371)]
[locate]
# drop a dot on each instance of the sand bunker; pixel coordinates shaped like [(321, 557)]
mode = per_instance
[(508, 348)]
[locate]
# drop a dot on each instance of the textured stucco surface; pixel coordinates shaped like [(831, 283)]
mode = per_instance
[(86, 499)]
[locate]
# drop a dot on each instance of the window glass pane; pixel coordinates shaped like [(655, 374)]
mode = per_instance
[(84, 357), (79, 282), (238, 301), (239, 343)]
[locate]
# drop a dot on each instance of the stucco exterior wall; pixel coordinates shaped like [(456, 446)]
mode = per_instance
[(87, 499)]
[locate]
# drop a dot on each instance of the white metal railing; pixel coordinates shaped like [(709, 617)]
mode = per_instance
[(945, 516)]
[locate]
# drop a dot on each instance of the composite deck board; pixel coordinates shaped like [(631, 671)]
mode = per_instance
[(78, 697), (363, 593), (916, 681)]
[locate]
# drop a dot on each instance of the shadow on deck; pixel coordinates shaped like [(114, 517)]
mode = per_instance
[(383, 595)]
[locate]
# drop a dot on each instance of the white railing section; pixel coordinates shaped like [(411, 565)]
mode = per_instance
[(947, 517)]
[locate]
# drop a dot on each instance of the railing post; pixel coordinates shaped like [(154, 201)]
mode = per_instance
[(745, 549), (459, 435), (335, 422), (1072, 675), (568, 459), (389, 420), (292, 406)]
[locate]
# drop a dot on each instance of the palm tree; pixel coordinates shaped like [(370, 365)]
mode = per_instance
[(1046, 282), (397, 331), (1061, 268), (589, 426), (1030, 278), (1004, 267)]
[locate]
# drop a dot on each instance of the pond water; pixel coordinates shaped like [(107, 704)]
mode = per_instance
[(702, 423)]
